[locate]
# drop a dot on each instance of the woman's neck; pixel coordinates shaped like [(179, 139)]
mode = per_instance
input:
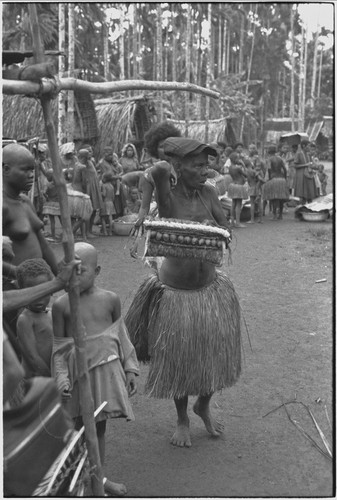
[(11, 192)]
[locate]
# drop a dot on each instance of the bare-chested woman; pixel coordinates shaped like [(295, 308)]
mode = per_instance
[(19, 219), (188, 313)]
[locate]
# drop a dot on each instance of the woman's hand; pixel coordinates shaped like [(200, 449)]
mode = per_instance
[(66, 270)]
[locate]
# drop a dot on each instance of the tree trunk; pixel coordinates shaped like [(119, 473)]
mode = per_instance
[(305, 64), (134, 43), (220, 44), (208, 72), (198, 64), (292, 74), (241, 43), (71, 67), (320, 72), (61, 59), (314, 70), (187, 65), (105, 36), (301, 83), (249, 69), (159, 59), (224, 48), (121, 43), (86, 400)]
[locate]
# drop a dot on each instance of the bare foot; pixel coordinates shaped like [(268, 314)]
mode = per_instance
[(181, 437), (114, 489), (250, 222), (212, 426)]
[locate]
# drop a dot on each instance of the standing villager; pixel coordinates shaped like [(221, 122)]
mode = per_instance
[(304, 182), (237, 189), (19, 219), (129, 159), (90, 186), (186, 318), (275, 189)]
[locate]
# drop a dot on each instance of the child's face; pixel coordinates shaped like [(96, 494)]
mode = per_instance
[(320, 168), (134, 194), (40, 304), (211, 161), (87, 276)]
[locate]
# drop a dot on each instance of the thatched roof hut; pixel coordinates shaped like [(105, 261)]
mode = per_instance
[(220, 130), (122, 120), (22, 117)]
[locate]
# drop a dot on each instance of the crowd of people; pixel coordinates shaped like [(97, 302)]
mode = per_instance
[(188, 181)]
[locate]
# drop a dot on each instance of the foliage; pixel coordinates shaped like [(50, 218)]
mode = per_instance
[(249, 60)]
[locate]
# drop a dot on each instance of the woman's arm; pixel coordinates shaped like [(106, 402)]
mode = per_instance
[(161, 173), (14, 299)]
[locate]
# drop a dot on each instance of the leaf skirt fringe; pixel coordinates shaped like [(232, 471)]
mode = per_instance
[(275, 189), (192, 337)]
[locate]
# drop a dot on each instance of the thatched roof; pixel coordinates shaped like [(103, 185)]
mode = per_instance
[(22, 117), (120, 121), (219, 130)]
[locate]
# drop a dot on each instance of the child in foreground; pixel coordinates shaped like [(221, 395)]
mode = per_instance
[(34, 325), (112, 360)]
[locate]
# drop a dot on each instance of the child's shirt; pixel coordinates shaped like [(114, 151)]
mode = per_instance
[(51, 192), (108, 191), (35, 335), (110, 354), (323, 177)]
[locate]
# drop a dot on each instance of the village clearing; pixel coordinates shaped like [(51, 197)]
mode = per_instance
[(287, 356)]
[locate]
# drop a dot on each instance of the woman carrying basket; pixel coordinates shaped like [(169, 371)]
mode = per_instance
[(186, 318)]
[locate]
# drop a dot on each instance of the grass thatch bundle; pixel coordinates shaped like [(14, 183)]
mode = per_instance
[(219, 130), (22, 117), (121, 121)]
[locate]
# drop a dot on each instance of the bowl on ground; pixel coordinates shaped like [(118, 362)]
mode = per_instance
[(315, 216), (122, 228)]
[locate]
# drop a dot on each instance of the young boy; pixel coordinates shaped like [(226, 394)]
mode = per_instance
[(108, 195), (112, 360), (323, 178), (34, 325)]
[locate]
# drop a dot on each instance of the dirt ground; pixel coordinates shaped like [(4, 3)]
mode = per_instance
[(288, 354)]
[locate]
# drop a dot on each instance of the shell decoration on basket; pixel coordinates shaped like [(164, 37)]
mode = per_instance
[(185, 239)]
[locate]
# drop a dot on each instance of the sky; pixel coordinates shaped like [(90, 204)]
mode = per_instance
[(318, 14)]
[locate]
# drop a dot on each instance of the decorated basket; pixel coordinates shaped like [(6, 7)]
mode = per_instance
[(186, 240)]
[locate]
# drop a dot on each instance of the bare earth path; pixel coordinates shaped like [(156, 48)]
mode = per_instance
[(289, 319)]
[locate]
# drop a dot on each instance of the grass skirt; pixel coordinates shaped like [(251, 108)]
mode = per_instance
[(51, 208), (237, 191), (275, 189), (191, 336)]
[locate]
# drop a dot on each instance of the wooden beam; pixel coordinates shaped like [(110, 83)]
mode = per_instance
[(47, 86)]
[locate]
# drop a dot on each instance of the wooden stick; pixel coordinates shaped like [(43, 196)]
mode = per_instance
[(47, 86), (86, 401)]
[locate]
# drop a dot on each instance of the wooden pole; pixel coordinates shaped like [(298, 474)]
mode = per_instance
[(86, 400), (46, 86)]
